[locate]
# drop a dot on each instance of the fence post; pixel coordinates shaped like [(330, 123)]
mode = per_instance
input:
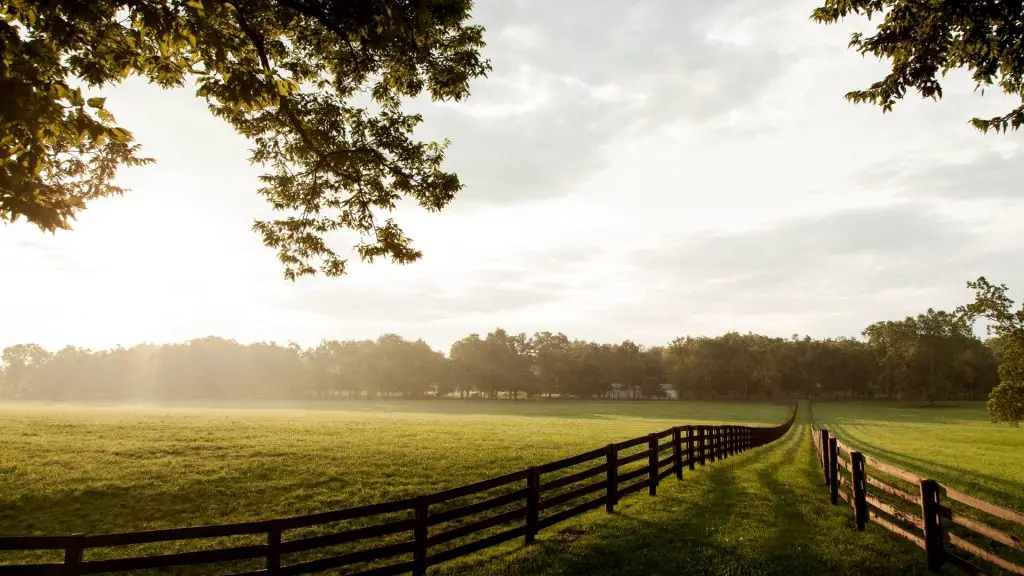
[(823, 433), (833, 471), (725, 442), (612, 490), (713, 441), (73, 556), (690, 440), (860, 487), (702, 443), (274, 550), (419, 554), (677, 453), (652, 464), (532, 500), (932, 524)]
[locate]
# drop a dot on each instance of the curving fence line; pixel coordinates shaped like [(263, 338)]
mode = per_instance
[(952, 528), (410, 535)]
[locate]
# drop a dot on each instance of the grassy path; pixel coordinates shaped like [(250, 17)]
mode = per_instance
[(763, 512)]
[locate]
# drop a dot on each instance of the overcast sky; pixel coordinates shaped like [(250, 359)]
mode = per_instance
[(633, 170)]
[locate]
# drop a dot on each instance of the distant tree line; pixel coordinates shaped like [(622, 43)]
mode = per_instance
[(932, 356)]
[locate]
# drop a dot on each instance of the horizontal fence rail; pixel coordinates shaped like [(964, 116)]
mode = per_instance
[(410, 535), (952, 528)]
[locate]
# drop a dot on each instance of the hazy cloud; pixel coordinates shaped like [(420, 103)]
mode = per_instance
[(844, 270), (571, 77), (991, 173)]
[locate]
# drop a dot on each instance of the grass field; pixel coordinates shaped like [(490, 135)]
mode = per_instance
[(762, 512), (102, 469), (951, 442)]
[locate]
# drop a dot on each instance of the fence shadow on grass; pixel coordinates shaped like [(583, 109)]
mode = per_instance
[(998, 490)]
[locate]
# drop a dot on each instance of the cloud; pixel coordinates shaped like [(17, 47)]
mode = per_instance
[(571, 77), (35, 253), (462, 291), (831, 274), (992, 172)]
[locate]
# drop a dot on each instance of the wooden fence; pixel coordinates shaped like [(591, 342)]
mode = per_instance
[(413, 534), (952, 528)]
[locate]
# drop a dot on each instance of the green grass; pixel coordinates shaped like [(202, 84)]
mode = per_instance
[(762, 512), (953, 443), (96, 469), (104, 469)]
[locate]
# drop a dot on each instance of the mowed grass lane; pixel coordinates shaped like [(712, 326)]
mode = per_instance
[(763, 512), (78, 469), (954, 443)]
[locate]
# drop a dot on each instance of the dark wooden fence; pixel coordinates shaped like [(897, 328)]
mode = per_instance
[(413, 534), (952, 528)]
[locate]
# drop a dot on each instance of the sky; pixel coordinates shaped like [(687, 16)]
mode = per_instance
[(640, 170)]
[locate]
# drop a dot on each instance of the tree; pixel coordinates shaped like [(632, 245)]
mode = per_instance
[(498, 363), (931, 356), (283, 73), (653, 372), (1006, 402), (628, 368), (551, 361), (924, 40), (19, 361), (588, 375)]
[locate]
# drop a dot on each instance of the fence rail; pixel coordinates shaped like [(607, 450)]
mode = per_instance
[(408, 534), (878, 493)]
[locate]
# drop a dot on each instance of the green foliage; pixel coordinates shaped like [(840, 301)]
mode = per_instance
[(896, 361), (19, 362), (283, 73), (924, 40), (64, 468), (931, 356), (500, 362), (1006, 404)]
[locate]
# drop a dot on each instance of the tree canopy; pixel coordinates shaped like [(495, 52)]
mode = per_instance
[(991, 302), (928, 357), (286, 74), (925, 40)]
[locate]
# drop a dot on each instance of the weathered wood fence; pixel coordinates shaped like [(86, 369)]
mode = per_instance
[(952, 528), (413, 534)]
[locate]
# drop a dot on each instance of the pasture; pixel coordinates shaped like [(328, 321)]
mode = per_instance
[(953, 443), (96, 469), (100, 469)]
